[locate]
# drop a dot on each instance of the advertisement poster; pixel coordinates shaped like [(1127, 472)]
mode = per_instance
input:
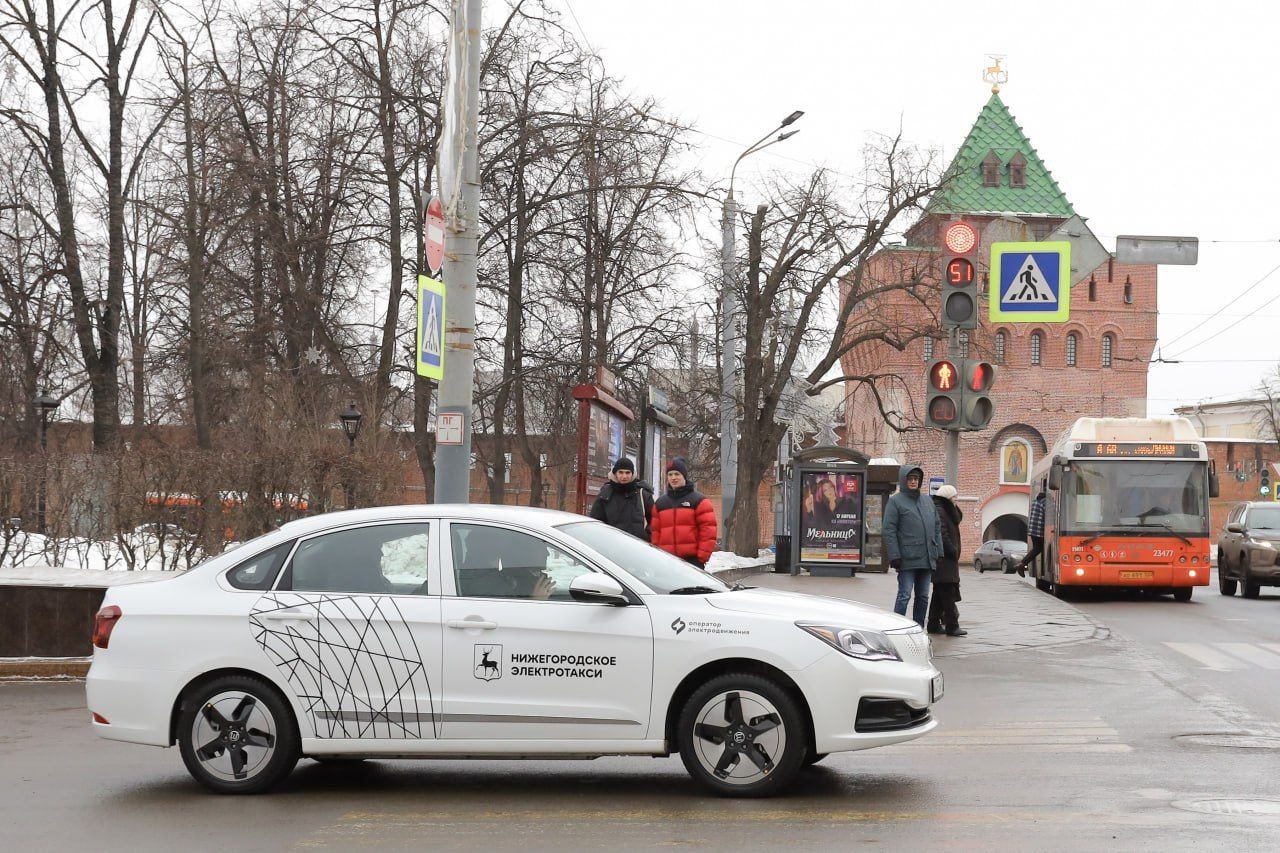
[(831, 517), (604, 441)]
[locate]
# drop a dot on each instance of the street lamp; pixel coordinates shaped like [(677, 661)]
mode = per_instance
[(46, 406), (728, 327), (351, 424)]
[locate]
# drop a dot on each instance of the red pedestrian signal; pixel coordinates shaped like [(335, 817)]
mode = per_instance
[(981, 375), (942, 409), (977, 407), (943, 376)]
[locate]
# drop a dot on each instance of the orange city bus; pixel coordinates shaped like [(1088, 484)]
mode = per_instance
[(1127, 505)]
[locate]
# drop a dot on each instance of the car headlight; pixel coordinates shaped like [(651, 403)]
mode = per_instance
[(856, 643)]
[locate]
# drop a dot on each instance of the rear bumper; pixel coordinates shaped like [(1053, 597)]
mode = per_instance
[(137, 703)]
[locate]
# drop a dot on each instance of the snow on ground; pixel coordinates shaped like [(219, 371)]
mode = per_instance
[(134, 551), (723, 561)]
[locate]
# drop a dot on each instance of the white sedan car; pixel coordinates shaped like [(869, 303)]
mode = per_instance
[(484, 632)]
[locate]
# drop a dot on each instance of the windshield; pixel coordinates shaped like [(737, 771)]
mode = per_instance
[(1264, 518), (1138, 494), (660, 571)]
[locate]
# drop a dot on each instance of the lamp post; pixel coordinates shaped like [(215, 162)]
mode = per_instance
[(46, 405), (351, 426), (728, 331)]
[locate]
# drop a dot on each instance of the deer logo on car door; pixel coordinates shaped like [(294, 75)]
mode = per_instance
[(488, 662)]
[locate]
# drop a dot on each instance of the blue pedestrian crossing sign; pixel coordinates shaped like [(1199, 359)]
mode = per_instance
[(430, 348), (1030, 282)]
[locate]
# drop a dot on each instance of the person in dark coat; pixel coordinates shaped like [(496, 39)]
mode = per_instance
[(624, 502), (913, 540), (683, 522), (943, 615)]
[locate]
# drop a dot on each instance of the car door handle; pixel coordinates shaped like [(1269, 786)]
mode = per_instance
[(475, 624), (288, 616)]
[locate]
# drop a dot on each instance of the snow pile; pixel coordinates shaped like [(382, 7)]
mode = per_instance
[(724, 561)]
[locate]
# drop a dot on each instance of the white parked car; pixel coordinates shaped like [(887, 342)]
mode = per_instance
[(485, 631)]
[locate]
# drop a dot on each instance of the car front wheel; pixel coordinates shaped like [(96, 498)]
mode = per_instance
[(236, 735), (1250, 589), (742, 735), (977, 566), (1226, 585)]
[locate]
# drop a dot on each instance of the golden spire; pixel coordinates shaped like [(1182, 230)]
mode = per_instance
[(995, 73)]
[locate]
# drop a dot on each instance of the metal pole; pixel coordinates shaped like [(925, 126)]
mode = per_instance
[(953, 436), (728, 367), (460, 190)]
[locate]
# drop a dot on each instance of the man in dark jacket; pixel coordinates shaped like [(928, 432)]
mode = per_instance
[(943, 614), (913, 541), (624, 502), (683, 522)]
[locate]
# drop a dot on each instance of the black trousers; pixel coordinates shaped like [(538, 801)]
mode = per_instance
[(942, 606), (1037, 548)]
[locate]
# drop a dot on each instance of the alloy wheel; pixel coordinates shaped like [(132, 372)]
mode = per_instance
[(738, 737), (234, 736)]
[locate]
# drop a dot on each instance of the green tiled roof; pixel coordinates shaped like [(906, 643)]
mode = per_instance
[(996, 130)]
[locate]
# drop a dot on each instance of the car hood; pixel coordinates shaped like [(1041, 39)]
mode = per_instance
[(809, 608)]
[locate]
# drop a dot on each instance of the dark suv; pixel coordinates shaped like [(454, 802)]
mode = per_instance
[(1249, 549)]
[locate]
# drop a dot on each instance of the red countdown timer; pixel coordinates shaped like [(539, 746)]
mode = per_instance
[(960, 272)]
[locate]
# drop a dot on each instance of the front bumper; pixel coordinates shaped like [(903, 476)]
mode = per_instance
[(836, 686)]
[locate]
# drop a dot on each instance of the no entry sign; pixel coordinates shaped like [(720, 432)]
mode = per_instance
[(433, 235)]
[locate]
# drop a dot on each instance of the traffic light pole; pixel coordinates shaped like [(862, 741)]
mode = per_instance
[(953, 435), (461, 192)]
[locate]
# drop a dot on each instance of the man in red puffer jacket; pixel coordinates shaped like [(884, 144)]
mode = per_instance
[(683, 522)]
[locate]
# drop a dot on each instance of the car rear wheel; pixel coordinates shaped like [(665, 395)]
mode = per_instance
[(1251, 589), (1007, 566), (236, 735), (742, 735), (1182, 593)]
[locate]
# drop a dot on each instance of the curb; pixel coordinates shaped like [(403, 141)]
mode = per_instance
[(24, 669)]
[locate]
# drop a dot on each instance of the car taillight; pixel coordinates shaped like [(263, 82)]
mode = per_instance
[(103, 624)]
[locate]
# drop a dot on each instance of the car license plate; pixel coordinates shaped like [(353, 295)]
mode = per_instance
[(1137, 576), (935, 688)]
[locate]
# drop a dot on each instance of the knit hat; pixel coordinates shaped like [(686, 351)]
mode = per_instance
[(947, 491), (678, 464), (624, 464)]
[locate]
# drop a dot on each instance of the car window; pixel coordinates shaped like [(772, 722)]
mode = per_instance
[(1264, 518), (383, 558), (660, 571), (259, 571), (491, 562)]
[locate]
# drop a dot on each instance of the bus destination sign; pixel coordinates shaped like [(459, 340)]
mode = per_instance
[(1139, 450)]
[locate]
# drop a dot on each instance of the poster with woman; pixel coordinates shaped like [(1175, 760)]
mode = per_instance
[(831, 517)]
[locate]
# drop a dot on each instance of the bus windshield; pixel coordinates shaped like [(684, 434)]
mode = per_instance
[(1104, 495)]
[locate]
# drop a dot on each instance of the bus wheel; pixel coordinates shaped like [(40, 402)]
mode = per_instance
[(1182, 593), (1043, 585)]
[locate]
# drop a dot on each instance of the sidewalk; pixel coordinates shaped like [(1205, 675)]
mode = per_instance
[(1000, 612)]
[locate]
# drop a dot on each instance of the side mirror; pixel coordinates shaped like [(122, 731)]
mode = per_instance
[(1055, 477), (1235, 528), (1213, 484), (597, 588), (997, 549)]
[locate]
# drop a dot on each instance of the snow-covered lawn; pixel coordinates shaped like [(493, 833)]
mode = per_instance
[(144, 550)]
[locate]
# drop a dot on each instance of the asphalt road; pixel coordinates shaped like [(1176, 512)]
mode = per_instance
[(1077, 745)]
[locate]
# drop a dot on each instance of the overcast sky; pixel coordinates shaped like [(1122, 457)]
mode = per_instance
[(1155, 118)]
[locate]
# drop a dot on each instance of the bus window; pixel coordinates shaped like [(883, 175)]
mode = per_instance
[(1111, 494)]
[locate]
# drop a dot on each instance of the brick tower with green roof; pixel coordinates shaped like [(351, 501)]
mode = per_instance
[(1046, 375)]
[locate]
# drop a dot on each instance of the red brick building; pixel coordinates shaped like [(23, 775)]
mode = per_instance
[(1047, 375)]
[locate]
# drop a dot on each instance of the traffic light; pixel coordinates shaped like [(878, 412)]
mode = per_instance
[(1264, 482), (976, 407), (942, 410), (959, 276)]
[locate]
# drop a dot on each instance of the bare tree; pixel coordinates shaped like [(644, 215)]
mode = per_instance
[(809, 298)]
